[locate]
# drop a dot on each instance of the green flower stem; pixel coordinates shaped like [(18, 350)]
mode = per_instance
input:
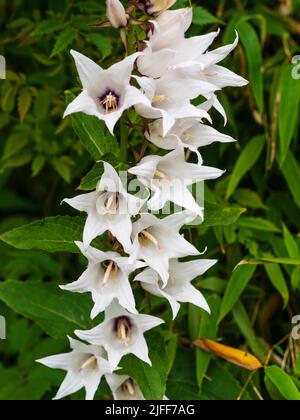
[(123, 141)]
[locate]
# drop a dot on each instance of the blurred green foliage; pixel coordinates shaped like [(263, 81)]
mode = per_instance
[(253, 212)]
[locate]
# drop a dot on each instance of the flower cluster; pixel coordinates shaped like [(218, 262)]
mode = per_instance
[(172, 71)]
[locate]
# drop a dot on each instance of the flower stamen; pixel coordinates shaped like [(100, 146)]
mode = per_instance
[(111, 268), (146, 236), (109, 102), (159, 98), (129, 387), (112, 202), (123, 330), (90, 361), (160, 174)]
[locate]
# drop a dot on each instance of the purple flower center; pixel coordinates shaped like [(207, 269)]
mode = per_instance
[(109, 101), (123, 329)]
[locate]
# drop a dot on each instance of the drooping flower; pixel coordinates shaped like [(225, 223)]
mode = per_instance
[(156, 241), (190, 56), (180, 52), (124, 388), (121, 333), (158, 6), (110, 208), (179, 287), (116, 13), (85, 366), (170, 176), (170, 98), (106, 278), (106, 93), (189, 132)]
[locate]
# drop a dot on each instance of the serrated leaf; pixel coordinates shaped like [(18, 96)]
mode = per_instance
[(47, 27), (103, 44), (56, 311), (53, 234), (64, 39), (220, 216)]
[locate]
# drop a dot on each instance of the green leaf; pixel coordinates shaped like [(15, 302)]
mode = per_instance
[(276, 276), (209, 330), (249, 199), (37, 164), (220, 216), (295, 280), (252, 47), (223, 385), (24, 102), (103, 44), (257, 223), (53, 234), (64, 39), (290, 243), (89, 181), (62, 167), (47, 27), (151, 379), (236, 285), (272, 260), (291, 171), (242, 319), (246, 161), (54, 310), (288, 109), (91, 132), (182, 383), (283, 382), (203, 17)]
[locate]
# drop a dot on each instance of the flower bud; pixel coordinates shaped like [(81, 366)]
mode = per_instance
[(159, 6), (116, 13)]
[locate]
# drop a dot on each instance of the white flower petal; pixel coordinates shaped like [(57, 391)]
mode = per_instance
[(82, 202), (89, 72), (94, 226), (147, 322), (71, 384), (83, 103)]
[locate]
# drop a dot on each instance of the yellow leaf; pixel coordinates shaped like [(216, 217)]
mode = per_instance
[(232, 355)]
